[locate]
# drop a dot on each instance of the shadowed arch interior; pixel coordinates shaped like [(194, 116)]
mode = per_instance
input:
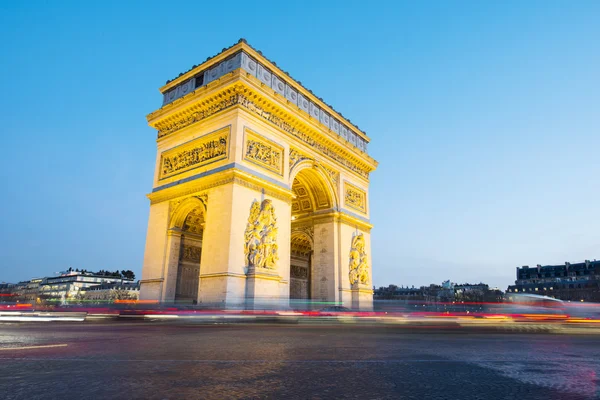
[(188, 219), (301, 243), (312, 192), (190, 208)]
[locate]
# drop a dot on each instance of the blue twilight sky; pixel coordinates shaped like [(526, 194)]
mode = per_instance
[(483, 116)]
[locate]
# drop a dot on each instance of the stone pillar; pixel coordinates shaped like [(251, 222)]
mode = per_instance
[(362, 297), (325, 271), (225, 275), (171, 265), (347, 292), (262, 289), (216, 268), (154, 253)]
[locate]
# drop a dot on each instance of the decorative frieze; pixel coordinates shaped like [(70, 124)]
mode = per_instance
[(355, 198), (196, 153), (190, 253), (263, 152), (204, 110), (270, 79), (359, 267), (235, 97)]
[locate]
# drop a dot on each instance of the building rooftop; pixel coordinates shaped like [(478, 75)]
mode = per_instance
[(572, 266)]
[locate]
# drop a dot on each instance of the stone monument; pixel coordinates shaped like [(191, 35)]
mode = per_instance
[(260, 191)]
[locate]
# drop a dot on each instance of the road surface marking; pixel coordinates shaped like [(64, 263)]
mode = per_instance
[(33, 347)]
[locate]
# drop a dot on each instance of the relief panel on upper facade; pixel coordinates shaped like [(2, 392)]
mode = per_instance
[(355, 198), (263, 152), (194, 154)]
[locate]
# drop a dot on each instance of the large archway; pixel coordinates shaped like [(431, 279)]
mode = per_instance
[(313, 196)]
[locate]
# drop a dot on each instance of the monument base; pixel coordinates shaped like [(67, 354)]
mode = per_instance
[(362, 297), (262, 289)]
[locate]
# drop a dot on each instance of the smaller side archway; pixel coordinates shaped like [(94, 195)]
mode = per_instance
[(301, 255), (187, 227)]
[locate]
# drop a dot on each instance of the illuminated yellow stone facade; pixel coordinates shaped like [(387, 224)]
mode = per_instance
[(260, 191)]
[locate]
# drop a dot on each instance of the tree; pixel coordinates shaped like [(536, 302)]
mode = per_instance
[(129, 274)]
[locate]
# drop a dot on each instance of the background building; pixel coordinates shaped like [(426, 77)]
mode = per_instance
[(72, 286), (6, 291), (393, 292), (446, 292), (113, 291), (571, 282)]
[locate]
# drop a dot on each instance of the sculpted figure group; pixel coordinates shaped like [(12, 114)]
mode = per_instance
[(359, 268), (263, 153), (197, 155), (261, 236)]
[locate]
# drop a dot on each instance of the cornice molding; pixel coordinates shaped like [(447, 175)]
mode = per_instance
[(223, 274), (155, 280), (231, 175), (333, 216), (245, 92)]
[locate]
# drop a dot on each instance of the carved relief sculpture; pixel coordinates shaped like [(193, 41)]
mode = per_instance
[(332, 174), (191, 253), (355, 198), (359, 268), (263, 152), (296, 157), (191, 155), (298, 272), (261, 236)]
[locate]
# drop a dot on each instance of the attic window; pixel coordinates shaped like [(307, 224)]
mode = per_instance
[(199, 80)]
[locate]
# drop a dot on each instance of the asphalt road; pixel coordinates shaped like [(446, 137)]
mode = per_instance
[(142, 360)]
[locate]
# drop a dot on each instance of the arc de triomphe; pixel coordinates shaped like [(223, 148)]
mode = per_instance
[(261, 190)]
